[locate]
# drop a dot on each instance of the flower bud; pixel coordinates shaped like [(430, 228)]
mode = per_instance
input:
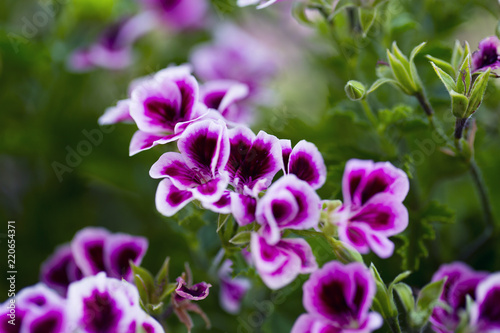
[(355, 90)]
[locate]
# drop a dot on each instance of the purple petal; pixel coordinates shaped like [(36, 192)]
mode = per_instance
[(119, 249), (174, 166), (88, 250), (224, 96), (222, 206), (485, 313), (240, 139), (205, 146), (143, 140), (101, 304), (363, 180), (232, 290), (341, 294), (356, 236), (307, 164), (488, 54), (212, 190), (243, 208), (170, 199), (156, 106), (276, 266), (196, 292), (262, 161), (178, 15), (49, 321), (286, 150), (38, 297), (303, 250), (307, 323), (59, 270), (117, 114), (290, 203)]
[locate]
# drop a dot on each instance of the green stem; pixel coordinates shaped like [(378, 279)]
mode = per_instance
[(393, 324), (369, 113)]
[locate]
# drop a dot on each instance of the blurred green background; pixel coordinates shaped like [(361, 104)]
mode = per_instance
[(45, 111)]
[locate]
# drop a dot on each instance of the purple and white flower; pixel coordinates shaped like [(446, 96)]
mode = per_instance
[(35, 309), (305, 161), (338, 298), (487, 55), (60, 269), (101, 304), (290, 203), (372, 210), (113, 50), (163, 106), (178, 14), (227, 97), (232, 290), (485, 312), (234, 55), (280, 264), (197, 172), (461, 281)]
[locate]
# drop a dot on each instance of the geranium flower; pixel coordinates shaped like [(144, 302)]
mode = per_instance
[(338, 298), (178, 14), (113, 49), (485, 312), (101, 304), (60, 269), (253, 162), (280, 264), (372, 210), (290, 203), (232, 290), (461, 281), (227, 97), (305, 161), (197, 172), (487, 55), (36, 309)]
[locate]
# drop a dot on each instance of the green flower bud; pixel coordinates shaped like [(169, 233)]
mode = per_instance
[(355, 90)]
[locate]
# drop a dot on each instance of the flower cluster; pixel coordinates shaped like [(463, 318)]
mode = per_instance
[(337, 299), (93, 304), (91, 251), (373, 207)]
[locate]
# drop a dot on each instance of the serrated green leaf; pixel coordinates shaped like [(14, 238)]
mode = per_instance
[(477, 92), (444, 65), (447, 80), (459, 104), (241, 238)]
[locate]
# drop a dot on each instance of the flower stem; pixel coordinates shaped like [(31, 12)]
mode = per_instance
[(369, 112), (393, 324), (424, 102), (459, 127)]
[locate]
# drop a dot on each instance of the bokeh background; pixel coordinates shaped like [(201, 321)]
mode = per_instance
[(45, 110)]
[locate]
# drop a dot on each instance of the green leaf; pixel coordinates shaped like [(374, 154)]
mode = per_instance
[(447, 80), (169, 289), (366, 18), (428, 297), (383, 302), (241, 238), (144, 282), (405, 295), (477, 92), (416, 50), (401, 74), (222, 220), (299, 13), (463, 79), (162, 276), (446, 66), (459, 104), (400, 56), (457, 55)]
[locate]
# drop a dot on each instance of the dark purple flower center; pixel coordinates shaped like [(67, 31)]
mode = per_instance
[(490, 308), (109, 38), (175, 198), (258, 162), (489, 56), (332, 296), (96, 255), (303, 168), (58, 274), (100, 314), (196, 291), (49, 324), (124, 256), (378, 183), (163, 110), (203, 150), (38, 300), (168, 5), (281, 210), (214, 99)]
